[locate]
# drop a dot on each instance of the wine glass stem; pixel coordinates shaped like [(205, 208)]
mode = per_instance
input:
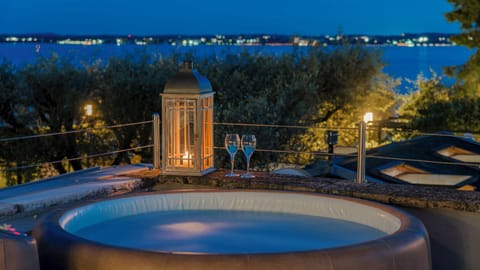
[(232, 161), (248, 165)]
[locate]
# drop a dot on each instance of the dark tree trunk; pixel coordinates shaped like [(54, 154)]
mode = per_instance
[(59, 167), (73, 153), (121, 158), (126, 136)]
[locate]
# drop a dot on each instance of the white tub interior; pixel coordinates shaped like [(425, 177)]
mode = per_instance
[(279, 202)]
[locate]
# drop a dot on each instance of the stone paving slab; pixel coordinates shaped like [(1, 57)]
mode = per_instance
[(122, 170), (7, 209), (48, 183), (60, 190), (57, 196)]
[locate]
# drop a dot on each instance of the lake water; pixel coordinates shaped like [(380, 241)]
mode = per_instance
[(401, 62)]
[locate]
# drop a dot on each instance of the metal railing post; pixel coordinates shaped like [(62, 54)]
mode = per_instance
[(156, 141), (362, 136)]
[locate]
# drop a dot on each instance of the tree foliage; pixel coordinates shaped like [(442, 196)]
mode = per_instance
[(129, 92), (315, 88), (467, 13), (14, 113), (56, 90), (434, 106), (308, 89)]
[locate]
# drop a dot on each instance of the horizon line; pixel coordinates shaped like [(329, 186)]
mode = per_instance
[(231, 34)]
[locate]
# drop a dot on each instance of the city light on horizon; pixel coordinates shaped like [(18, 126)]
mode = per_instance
[(406, 40)]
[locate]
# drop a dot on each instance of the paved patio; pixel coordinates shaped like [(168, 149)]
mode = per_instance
[(453, 246), (22, 205)]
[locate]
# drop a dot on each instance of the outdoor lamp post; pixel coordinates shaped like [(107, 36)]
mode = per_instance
[(362, 137), (368, 117), (88, 108), (187, 124)]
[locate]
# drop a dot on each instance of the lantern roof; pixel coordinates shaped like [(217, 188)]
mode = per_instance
[(188, 81)]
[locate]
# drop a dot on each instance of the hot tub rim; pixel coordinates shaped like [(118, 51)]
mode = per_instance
[(411, 229)]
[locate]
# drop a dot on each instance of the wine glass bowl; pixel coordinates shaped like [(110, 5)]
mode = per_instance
[(249, 142), (232, 143)]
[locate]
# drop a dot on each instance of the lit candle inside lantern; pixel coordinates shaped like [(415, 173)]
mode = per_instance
[(187, 157)]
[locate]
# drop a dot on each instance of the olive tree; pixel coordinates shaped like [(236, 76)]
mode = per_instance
[(129, 92), (56, 91), (298, 88)]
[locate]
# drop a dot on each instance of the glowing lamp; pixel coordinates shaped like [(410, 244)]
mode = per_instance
[(368, 117), (88, 109), (187, 124)]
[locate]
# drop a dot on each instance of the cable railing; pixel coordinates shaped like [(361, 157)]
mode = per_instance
[(326, 154), (69, 132), (79, 158), (284, 126), (371, 127), (156, 143)]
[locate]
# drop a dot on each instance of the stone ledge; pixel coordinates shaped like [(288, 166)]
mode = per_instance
[(393, 194), (7, 209), (26, 204)]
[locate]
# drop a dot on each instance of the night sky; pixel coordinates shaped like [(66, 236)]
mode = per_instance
[(304, 17)]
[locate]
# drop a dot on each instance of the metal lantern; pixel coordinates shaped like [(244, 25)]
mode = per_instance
[(187, 124)]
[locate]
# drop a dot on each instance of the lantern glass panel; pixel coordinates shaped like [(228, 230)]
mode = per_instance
[(207, 139), (181, 137)]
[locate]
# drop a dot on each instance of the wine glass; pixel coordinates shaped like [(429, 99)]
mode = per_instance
[(232, 143), (248, 146)]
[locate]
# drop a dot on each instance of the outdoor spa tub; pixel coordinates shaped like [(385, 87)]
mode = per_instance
[(232, 230)]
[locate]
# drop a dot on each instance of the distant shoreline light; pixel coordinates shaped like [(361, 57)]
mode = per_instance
[(140, 43), (404, 40)]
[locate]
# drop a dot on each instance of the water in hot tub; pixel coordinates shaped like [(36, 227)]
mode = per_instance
[(227, 232)]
